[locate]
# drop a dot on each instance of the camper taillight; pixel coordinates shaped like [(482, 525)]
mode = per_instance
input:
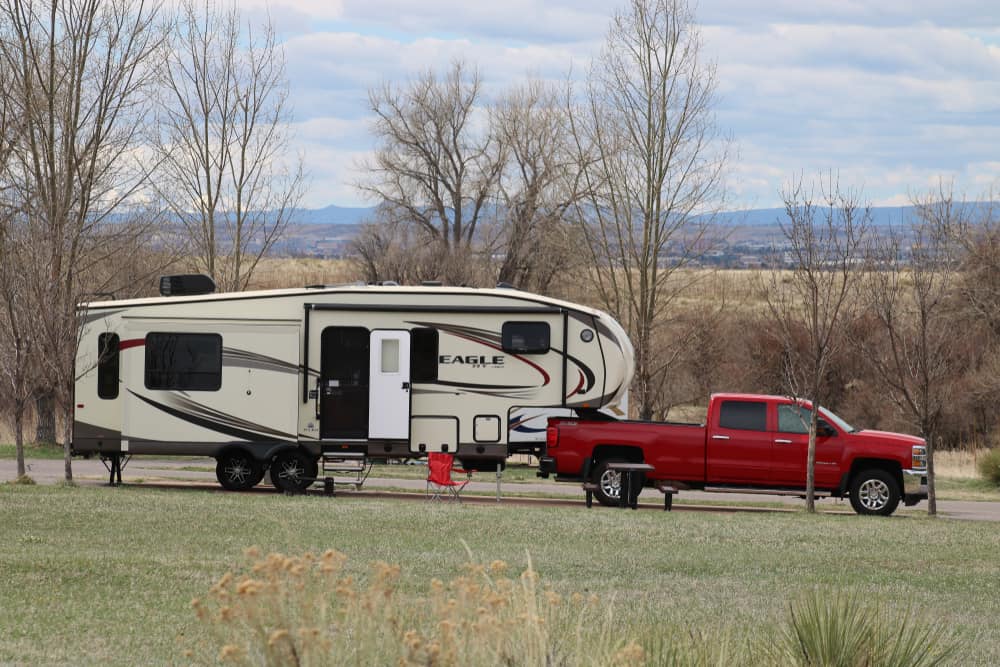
[(186, 285)]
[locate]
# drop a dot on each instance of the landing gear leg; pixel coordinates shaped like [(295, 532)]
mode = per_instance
[(114, 464)]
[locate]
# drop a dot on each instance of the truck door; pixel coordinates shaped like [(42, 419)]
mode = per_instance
[(389, 392), (791, 449), (739, 443)]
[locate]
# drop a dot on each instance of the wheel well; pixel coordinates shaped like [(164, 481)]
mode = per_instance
[(891, 467), (626, 453)]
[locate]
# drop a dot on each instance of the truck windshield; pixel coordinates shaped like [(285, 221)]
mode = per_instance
[(841, 424)]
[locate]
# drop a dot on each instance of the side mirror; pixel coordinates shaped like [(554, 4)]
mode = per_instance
[(824, 430)]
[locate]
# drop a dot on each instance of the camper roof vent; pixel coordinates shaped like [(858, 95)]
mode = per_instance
[(186, 285), (431, 283)]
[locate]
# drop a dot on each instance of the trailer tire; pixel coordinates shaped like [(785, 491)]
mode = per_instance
[(874, 492), (609, 482), (237, 470), (293, 471)]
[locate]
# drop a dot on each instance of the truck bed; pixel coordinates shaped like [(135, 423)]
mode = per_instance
[(676, 450)]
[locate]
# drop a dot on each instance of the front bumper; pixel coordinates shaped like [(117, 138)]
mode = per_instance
[(914, 486)]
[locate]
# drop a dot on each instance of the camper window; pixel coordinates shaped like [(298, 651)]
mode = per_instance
[(184, 361), (525, 337), (424, 355), (107, 365)]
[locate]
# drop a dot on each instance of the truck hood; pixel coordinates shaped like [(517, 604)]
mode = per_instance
[(887, 438)]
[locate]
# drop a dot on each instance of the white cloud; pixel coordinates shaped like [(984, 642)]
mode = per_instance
[(893, 95)]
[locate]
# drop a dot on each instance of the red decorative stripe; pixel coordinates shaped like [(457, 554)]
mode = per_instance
[(132, 342), (579, 386)]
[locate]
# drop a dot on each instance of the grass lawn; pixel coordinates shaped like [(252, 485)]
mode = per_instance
[(97, 575), (32, 451)]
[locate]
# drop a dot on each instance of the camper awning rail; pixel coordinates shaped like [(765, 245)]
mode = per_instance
[(372, 307)]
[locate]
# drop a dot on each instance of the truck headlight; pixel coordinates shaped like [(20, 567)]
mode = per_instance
[(919, 457)]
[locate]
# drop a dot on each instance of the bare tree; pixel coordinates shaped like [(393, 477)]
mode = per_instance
[(811, 303), (910, 295), (539, 183), (651, 161), (78, 70), (434, 167), (17, 340), (223, 141)]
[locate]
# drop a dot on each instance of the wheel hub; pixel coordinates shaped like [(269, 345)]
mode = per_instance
[(611, 483), (873, 494)]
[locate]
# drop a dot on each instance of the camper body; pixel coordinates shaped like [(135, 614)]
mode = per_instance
[(287, 379)]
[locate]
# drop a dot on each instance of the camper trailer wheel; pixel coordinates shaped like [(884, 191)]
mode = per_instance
[(293, 471), (238, 471)]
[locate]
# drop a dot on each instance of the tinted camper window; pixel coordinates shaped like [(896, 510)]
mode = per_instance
[(424, 355), (184, 361), (107, 365), (525, 337)]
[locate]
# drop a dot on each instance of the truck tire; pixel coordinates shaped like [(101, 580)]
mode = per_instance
[(874, 492), (236, 470), (609, 483), (293, 471)]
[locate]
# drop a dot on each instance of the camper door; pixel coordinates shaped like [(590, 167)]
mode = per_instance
[(363, 388)]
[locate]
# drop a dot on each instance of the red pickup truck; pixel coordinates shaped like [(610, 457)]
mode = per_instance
[(749, 443)]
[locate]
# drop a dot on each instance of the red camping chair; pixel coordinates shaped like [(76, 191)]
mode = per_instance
[(439, 472)]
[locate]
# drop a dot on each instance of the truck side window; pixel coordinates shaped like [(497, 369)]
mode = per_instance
[(184, 361), (525, 337), (107, 365), (743, 415), (424, 355), (793, 419)]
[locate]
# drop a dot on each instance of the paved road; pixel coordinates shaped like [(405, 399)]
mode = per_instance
[(152, 470)]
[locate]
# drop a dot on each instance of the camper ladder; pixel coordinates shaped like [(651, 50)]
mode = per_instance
[(346, 468)]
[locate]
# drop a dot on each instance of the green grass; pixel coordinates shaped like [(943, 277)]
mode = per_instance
[(95, 575), (32, 451)]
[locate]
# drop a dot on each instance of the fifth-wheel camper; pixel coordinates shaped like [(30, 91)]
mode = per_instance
[(302, 382)]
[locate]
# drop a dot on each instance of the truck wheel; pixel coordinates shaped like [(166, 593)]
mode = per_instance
[(293, 471), (874, 491), (238, 471), (609, 483)]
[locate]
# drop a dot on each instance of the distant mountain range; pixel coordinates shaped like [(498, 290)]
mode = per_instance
[(882, 216)]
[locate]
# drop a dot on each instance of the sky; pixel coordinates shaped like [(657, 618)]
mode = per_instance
[(892, 96)]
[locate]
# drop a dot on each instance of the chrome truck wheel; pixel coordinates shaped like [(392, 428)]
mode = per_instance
[(874, 491), (609, 483)]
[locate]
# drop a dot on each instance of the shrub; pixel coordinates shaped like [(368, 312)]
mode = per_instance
[(989, 466), (305, 610), (845, 630)]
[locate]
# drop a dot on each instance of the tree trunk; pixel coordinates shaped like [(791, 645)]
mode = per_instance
[(931, 493), (45, 418), (811, 461), (19, 437), (68, 439)]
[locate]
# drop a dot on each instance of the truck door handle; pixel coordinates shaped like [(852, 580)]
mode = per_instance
[(720, 437), (782, 442), (406, 386)]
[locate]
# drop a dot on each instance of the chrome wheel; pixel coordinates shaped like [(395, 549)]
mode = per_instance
[(293, 471), (875, 491), (611, 484), (873, 494), (238, 471)]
